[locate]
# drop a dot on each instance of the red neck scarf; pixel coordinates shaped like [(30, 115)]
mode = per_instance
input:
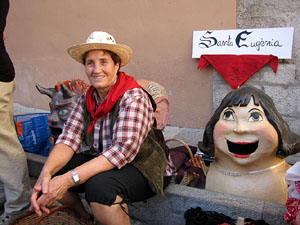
[(123, 84)]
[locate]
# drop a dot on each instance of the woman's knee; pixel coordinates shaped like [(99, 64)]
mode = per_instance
[(101, 191)]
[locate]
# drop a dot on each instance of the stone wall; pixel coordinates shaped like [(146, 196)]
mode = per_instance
[(272, 13), (284, 86)]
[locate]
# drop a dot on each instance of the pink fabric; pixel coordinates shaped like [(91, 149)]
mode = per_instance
[(293, 207), (237, 69), (293, 202)]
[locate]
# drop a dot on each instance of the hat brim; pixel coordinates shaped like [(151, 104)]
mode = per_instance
[(77, 52)]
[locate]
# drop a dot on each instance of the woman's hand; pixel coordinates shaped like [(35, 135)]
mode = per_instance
[(47, 189), (41, 187), (58, 186)]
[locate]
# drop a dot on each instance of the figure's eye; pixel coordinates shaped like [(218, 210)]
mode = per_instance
[(63, 112), (228, 115), (255, 116)]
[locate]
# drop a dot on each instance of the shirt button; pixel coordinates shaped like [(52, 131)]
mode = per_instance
[(97, 125), (95, 145)]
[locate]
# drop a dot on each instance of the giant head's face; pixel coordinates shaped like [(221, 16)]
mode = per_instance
[(63, 98), (244, 135)]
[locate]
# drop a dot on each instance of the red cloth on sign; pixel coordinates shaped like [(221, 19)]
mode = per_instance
[(237, 69), (123, 84)]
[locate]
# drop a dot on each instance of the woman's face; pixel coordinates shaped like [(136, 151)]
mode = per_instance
[(101, 70), (244, 134)]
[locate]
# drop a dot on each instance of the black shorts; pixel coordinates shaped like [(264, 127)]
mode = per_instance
[(103, 188)]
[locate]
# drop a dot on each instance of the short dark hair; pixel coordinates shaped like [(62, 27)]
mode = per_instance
[(288, 142)]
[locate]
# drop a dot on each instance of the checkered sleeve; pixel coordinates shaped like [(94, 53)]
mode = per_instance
[(134, 121), (72, 133)]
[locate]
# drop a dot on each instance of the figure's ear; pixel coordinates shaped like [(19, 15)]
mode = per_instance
[(45, 91)]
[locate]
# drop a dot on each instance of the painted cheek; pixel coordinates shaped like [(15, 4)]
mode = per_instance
[(221, 129), (266, 131)]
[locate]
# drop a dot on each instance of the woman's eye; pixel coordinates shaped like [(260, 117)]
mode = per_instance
[(63, 112), (228, 115), (255, 116)]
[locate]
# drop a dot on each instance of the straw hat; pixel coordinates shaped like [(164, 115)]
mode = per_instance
[(101, 40)]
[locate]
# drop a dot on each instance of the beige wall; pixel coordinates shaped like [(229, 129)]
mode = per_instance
[(159, 32)]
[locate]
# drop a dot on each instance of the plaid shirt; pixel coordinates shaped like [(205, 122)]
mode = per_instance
[(134, 121)]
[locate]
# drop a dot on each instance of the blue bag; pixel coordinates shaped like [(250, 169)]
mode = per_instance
[(34, 133)]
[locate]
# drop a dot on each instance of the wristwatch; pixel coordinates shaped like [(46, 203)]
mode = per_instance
[(75, 177)]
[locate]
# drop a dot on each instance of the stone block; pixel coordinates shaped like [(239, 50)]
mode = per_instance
[(294, 123), (286, 99), (35, 164), (292, 159), (170, 208), (220, 89), (189, 135), (285, 74), (273, 213)]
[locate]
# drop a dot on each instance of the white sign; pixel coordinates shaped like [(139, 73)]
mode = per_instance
[(269, 41)]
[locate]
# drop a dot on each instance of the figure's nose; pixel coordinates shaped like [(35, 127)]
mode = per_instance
[(53, 118), (240, 127)]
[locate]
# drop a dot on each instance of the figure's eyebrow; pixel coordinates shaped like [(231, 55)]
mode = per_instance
[(229, 108), (255, 109), (58, 106)]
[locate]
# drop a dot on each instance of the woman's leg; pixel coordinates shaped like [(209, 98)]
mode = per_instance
[(111, 215), (72, 199), (108, 193)]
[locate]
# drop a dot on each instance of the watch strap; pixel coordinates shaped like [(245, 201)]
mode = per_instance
[(75, 177)]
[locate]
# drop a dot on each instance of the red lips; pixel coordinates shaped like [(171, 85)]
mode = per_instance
[(241, 156)]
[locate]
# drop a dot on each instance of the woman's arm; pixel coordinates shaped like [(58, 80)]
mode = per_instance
[(68, 143), (58, 157)]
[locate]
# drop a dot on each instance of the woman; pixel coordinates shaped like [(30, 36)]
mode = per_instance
[(108, 148), (249, 139)]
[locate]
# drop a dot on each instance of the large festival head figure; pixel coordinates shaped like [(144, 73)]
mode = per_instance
[(249, 139), (63, 97)]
